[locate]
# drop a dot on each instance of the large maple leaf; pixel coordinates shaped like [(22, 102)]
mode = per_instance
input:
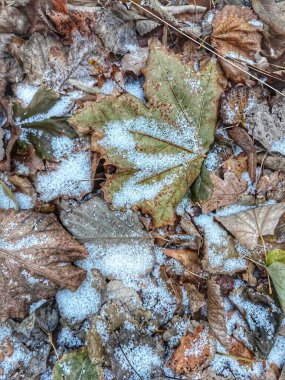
[(157, 148)]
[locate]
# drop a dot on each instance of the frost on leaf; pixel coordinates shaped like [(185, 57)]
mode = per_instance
[(195, 351), (249, 225), (158, 148), (35, 259)]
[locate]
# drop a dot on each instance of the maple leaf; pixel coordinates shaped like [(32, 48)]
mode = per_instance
[(158, 149), (236, 37), (226, 192), (35, 257), (76, 365), (249, 225)]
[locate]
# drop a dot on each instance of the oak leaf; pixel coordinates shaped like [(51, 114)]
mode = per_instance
[(226, 192), (248, 226), (35, 259), (157, 149), (236, 37)]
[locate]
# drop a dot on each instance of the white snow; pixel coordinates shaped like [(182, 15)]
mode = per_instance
[(61, 146), (134, 87), (79, 305), (279, 146), (72, 178), (25, 201), (6, 202), (68, 338), (121, 260), (255, 22), (142, 358), (25, 92)]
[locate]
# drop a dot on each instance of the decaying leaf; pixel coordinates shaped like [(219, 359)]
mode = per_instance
[(236, 104), (262, 316), (36, 253), (76, 365), (196, 299), (272, 13), (267, 183), (275, 265), (114, 237), (236, 37), (226, 192), (249, 226), (266, 125), (216, 313), (236, 165), (195, 351), (157, 149), (10, 201), (135, 61)]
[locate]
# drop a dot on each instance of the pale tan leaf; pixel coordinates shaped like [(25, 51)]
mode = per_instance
[(272, 13), (226, 192), (249, 225), (186, 256), (35, 259)]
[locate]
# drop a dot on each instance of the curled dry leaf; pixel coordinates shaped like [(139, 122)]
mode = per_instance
[(36, 255), (242, 139), (195, 351), (249, 226), (236, 165), (226, 192), (135, 61), (267, 183), (157, 149), (236, 37), (272, 13), (196, 299)]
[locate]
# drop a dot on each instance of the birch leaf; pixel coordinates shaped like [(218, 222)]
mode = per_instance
[(275, 264), (158, 148), (35, 259), (249, 225)]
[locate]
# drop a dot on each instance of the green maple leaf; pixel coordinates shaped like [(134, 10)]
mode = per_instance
[(76, 365), (157, 148), (275, 265)]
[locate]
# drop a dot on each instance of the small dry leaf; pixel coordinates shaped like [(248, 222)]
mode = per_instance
[(226, 192), (236, 37), (236, 165), (186, 256), (196, 299), (249, 225), (195, 351), (267, 183), (35, 259), (135, 61)]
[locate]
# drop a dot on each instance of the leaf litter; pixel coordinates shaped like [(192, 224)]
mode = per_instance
[(141, 190)]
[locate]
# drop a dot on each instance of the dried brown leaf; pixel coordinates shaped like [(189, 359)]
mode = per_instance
[(236, 165), (272, 13), (226, 192), (267, 183), (236, 37), (249, 225), (36, 255), (186, 359), (186, 256), (196, 299)]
